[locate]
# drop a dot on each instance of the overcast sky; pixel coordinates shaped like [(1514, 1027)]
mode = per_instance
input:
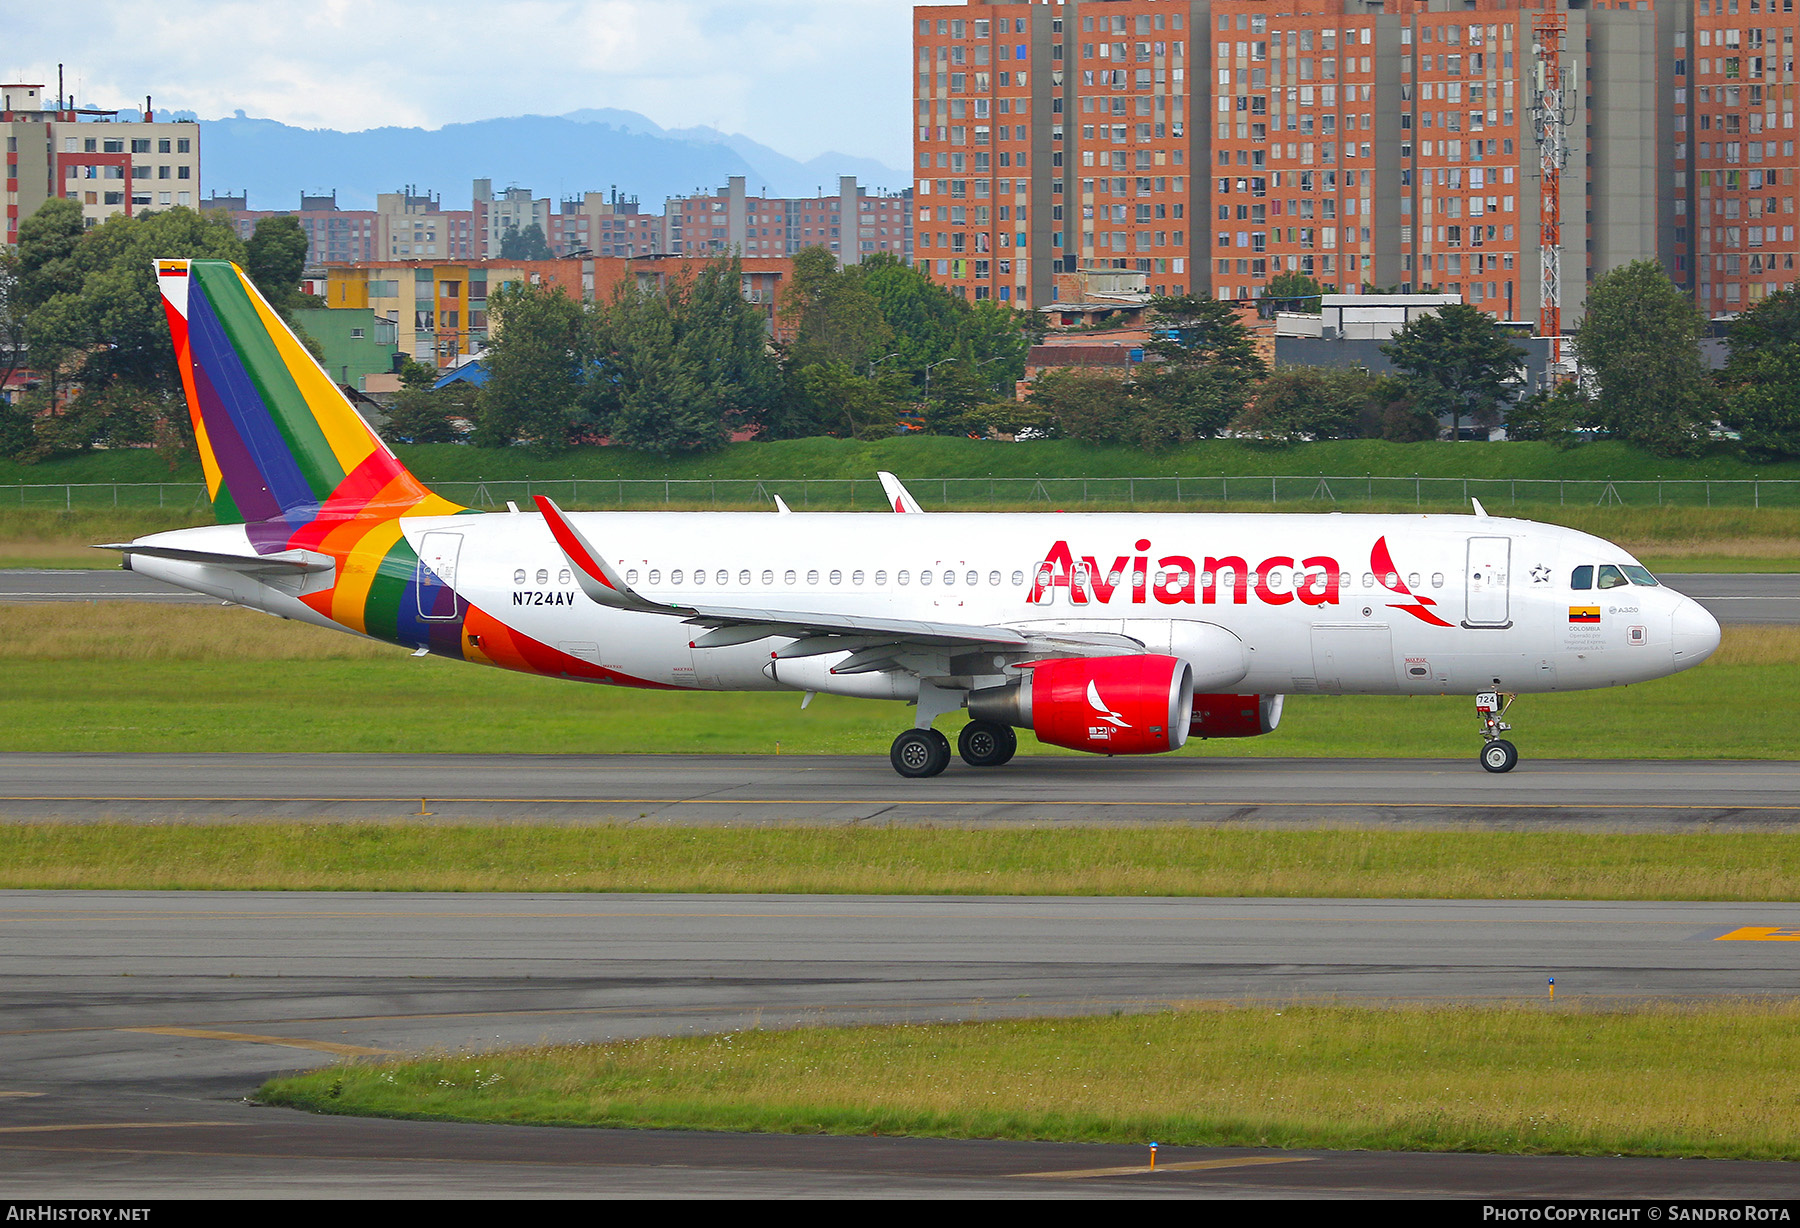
[(804, 76)]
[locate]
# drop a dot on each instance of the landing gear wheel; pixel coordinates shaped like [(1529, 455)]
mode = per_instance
[(1499, 755), (920, 752), (985, 744)]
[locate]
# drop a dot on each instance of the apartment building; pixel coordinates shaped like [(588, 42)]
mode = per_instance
[(404, 224), (603, 224), (853, 224), (439, 308), (332, 234), (1213, 145), (54, 149), (413, 224), (1733, 230), (515, 208)]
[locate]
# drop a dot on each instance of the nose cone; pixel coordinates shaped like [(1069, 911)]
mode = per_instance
[(1695, 634)]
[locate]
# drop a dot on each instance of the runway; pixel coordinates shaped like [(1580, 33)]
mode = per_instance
[(1560, 795), (1732, 598), (134, 1023)]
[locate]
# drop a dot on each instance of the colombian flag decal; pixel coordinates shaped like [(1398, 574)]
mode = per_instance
[(1584, 614)]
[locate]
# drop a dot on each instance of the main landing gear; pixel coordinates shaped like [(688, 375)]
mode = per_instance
[(920, 752), (985, 744), (926, 752), (1497, 755)]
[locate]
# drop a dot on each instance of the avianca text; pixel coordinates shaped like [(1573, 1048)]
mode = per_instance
[(1175, 580)]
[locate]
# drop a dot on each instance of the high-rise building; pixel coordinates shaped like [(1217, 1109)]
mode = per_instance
[(1733, 228), (54, 149), (1211, 145)]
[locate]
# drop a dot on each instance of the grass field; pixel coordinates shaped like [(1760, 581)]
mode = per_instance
[(929, 456), (1164, 860), (1716, 1081), (130, 677)]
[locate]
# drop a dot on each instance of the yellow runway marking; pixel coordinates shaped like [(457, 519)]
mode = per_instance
[(1188, 1166), (112, 1125), (1760, 933), (292, 1042), (18, 1095)]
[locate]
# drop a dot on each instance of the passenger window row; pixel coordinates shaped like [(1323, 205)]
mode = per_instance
[(722, 578)]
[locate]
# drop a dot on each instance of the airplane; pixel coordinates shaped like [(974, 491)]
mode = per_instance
[(1116, 633)]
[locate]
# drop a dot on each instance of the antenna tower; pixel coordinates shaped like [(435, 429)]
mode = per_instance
[(1550, 121)]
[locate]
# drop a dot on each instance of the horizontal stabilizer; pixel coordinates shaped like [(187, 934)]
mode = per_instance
[(293, 562)]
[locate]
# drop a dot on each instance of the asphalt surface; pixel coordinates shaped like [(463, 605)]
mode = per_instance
[(135, 1023), (1561, 795), (1732, 598), (1744, 597)]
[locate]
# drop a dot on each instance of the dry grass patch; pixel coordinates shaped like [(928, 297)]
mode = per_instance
[(1715, 1081), (141, 631), (1160, 860)]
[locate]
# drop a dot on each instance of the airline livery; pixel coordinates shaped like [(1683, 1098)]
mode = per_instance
[(1116, 633)]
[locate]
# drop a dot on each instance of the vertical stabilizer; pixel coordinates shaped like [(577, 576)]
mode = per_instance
[(281, 445)]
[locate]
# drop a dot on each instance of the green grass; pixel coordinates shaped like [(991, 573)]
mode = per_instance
[(927, 456), (1715, 1081), (1162, 860), (128, 677)]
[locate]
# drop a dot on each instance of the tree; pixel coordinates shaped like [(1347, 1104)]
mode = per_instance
[(1761, 379), (1198, 330), (836, 318), (683, 366), (13, 315), (536, 364), (424, 415), (95, 320), (1296, 403), (1293, 292), (275, 258), (1639, 342), (1456, 362), (526, 244), (852, 404)]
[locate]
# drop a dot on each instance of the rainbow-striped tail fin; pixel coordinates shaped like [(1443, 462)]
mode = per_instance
[(281, 445)]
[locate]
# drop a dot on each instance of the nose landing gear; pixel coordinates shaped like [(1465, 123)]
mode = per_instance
[(1497, 754)]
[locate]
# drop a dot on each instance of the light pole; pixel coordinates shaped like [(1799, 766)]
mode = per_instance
[(928, 366), (881, 360)]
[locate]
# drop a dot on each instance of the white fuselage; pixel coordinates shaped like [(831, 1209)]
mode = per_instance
[(1461, 604)]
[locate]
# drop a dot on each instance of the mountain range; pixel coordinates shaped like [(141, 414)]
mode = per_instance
[(552, 155)]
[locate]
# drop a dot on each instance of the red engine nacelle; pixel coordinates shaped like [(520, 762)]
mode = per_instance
[(1109, 705), (1234, 716)]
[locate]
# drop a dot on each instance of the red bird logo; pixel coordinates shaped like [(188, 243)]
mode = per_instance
[(1388, 576)]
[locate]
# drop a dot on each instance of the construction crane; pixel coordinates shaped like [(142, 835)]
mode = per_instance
[(1550, 123)]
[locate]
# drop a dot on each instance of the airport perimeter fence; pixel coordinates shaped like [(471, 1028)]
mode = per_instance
[(975, 494)]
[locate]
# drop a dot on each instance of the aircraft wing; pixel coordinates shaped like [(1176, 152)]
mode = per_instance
[(814, 632), (898, 497)]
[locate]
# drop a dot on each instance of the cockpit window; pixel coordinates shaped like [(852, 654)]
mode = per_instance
[(1640, 575), (1583, 577), (1612, 577)]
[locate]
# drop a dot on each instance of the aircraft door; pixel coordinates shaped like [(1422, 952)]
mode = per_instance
[(1487, 582), (438, 553)]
